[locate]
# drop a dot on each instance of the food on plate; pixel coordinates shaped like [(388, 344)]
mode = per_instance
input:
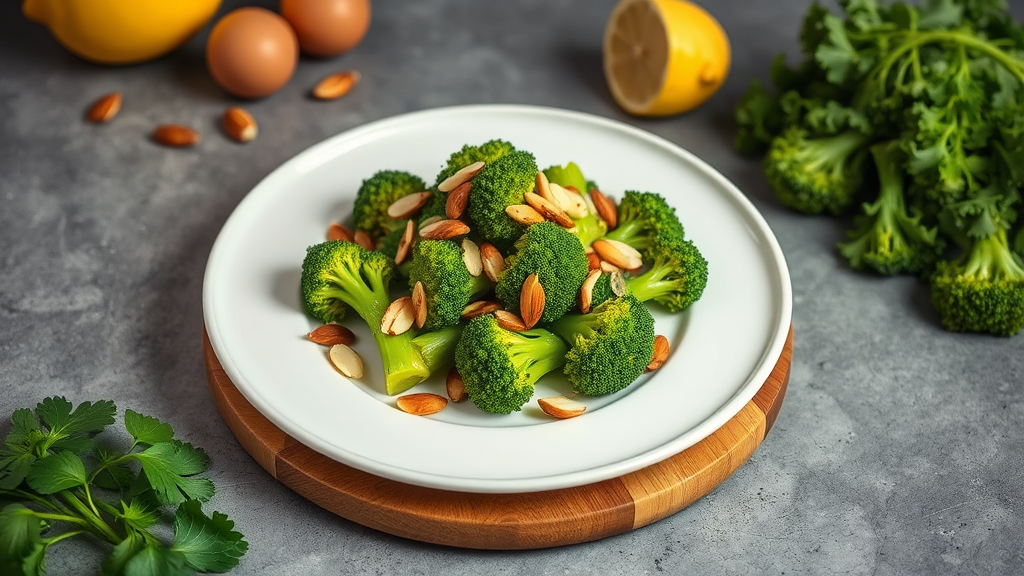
[(251, 52), (376, 194), (327, 27)]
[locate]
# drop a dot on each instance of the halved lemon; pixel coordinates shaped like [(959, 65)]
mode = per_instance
[(663, 57)]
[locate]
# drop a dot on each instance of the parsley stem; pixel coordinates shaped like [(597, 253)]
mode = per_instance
[(62, 518), (51, 541), (99, 526)]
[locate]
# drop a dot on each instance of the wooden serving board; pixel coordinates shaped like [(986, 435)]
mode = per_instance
[(504, 521)]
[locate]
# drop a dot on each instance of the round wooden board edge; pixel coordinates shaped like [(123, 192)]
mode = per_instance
[(503, 521)]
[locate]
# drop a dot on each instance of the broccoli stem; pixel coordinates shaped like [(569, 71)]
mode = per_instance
[(438, 347), (652, 284), (831, 152), (590, 228), (629, 232), (991, 260), (568, 326), (536, 352)]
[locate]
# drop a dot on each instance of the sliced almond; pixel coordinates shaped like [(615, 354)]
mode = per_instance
[(398, 317), (493, 263), (619, 254), (561, 407), (524, 214), (618, 284), (331, 334), (336, 85), (587, 290), (661, 350), (452, 182), (570, 200), (605, 208), (444, 229), (548, 210), (363, 239), (105, 108), (428, 221), (176, 135), (346, 361), (471, 256), (593, 261), (339, 232), (474, 309), (610, 268), (455, 386), (239, 125), (457, 200), (543, 187), (405, 244), (408, 205), (422, 403), (510, 321), (531, 301), (419, 304)]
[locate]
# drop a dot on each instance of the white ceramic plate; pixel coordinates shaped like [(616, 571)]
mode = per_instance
[(723, 347)]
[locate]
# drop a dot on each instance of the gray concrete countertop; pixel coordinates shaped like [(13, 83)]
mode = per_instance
[(899, 449)]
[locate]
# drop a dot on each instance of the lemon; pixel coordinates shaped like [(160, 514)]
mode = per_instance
[(121, 31), (663, 57)]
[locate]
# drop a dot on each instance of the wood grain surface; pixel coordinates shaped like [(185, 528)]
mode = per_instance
[(504, 521)]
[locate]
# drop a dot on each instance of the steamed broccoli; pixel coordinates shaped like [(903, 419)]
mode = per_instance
[(337, 275), (501, 183), (448, 285), (609, 348), (590, 227), (815, 175), (559, 261), (469, 154), (370, 211), (677, 275), (500, 367), (435, 206), (438, 347), (602, 291), (643, 218)]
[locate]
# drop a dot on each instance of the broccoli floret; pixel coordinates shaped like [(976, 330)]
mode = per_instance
[(643, 218), (677, 276), (487, 152), (370, 211), (559, 261), (339, 275), (438, 347), (435, 206), (815, 175), (590, 227), (609, 348), (501, 183), (447, 283), (886, 238), (500, 367)]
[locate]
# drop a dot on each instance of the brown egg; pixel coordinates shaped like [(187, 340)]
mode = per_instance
[(327, 27), (252, 52)]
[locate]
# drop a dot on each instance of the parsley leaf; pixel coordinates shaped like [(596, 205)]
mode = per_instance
[(155, 560), (208, 544), (19, 536), (169, 468), (58, 472), (146, 429)]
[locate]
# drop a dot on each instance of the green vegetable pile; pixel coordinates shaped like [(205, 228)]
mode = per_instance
[(914, 115), (600, 352), (60, 479)]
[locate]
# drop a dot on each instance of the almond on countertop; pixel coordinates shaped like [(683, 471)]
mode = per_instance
[(331, 334), (336, 85), (346, 361), (239, 125), (104, 109), (531, 301), (175, 135), (421, 403), (561, 407)]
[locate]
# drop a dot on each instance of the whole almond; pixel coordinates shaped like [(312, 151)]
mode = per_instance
[(510, 321), (561, 407), (422, 403), (479, 308), (239, 124), (408, 205), (455, 386), (336, 85), (471, 256), (419, 304), (105, 108), (398, 317), (428, 221), (524, 214), (548, 210), (619, 254), (593, 261), (605, 208), (339, 232), (531, 301), (618, 284), (176, 135), (493, 263), (363, 239), (465, 174), (346, 361), (331, 334), (661, 350), (587, 290), (457, 200), (570, 200), (405, 243), (444, 229)]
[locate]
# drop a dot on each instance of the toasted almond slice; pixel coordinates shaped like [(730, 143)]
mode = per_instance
[(455, 386), (661, 350), (548, 210), (331, 334), (175, 135), (619, 254), (452, 182), (570, 200), (561, 407), (444, 229), (471, 256), (339, 232), (346, 361), (457, 200), (419, 304), (510, 321), (605, 208), (239, 125), (428, 221), (524, 214), (408, 205), (543, 186), (105, 108), (493, 263), (587, 290), (593, 261), (336, 85), (405, 244), (398, 317), (618, 284), (610, 268), (363, 239), (479, 308), (421, 403), (531, 301)]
